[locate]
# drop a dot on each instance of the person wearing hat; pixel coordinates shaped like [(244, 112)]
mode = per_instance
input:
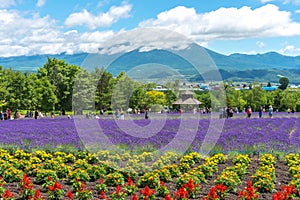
[(270, 111)]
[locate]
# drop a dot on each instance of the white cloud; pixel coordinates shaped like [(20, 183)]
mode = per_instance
[(40, 3), (21, 34), (290, 50), (7, 3), (297, 11), (260, 44), (144, 40), (106, 19), (227, 23)]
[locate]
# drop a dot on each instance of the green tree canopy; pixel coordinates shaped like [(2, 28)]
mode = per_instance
[(284, 82)]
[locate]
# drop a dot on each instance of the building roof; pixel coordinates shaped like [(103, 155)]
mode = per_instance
[(189, 101)]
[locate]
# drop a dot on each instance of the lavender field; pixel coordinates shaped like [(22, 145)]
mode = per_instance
[(281, 133)]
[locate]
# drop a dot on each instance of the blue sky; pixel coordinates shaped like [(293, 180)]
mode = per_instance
[(29, 27)]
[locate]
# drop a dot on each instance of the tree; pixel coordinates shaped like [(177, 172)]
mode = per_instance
[(138, 98), (170, 98), (104, 82), (62, 76), (284, 82), (83, 96), (4, 93), (43, 96), (156, 97), (123, 88)]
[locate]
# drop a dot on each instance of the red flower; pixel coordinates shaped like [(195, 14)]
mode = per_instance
[(249, 192), (69, 194), (147, 192), (168, 197), (286, 193), (26, 183), (181, 193), (190, 185), (37, 195), (101, 181), (118, 189), (222, 188), (130, 182), (56, 186), (212, 193), (102, 195), (82, 186), (135, 197), (277, 196), (7, 194)]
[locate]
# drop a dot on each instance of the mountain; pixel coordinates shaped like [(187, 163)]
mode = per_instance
[(237, 67)]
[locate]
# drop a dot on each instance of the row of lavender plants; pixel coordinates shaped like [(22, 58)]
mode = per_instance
[(238, 134)]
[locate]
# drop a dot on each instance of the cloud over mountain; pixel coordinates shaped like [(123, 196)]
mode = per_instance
[(227, 23)]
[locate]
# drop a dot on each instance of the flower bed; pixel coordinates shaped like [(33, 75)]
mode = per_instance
[(83, 175)]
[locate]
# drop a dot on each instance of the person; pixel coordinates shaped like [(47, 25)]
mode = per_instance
[(16, 114), (270, 111), (122, 116), (249, 112), (36, 114), (288, 110), (5, 116), (52, 114), (1, 115), (8, 112), (195, 110), (146, 114), (293, 110), (227, 112), (236, 110), (230, 112), (117, 113), (220, 113), (260, 111)]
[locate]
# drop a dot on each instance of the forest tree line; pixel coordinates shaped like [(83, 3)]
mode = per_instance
[(52, 88)]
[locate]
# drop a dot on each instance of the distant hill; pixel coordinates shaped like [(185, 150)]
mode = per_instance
[(237, 67)]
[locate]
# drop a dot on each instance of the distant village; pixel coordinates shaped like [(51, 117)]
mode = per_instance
[(236, 85)]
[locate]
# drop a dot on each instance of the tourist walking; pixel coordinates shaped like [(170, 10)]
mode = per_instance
[(270, 111), (8, 112), (249, 112), (146, 114), (260, 111), (221, 113), (52, 114), (117, 113), (230, 112), (122, 116), (36, 114)]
